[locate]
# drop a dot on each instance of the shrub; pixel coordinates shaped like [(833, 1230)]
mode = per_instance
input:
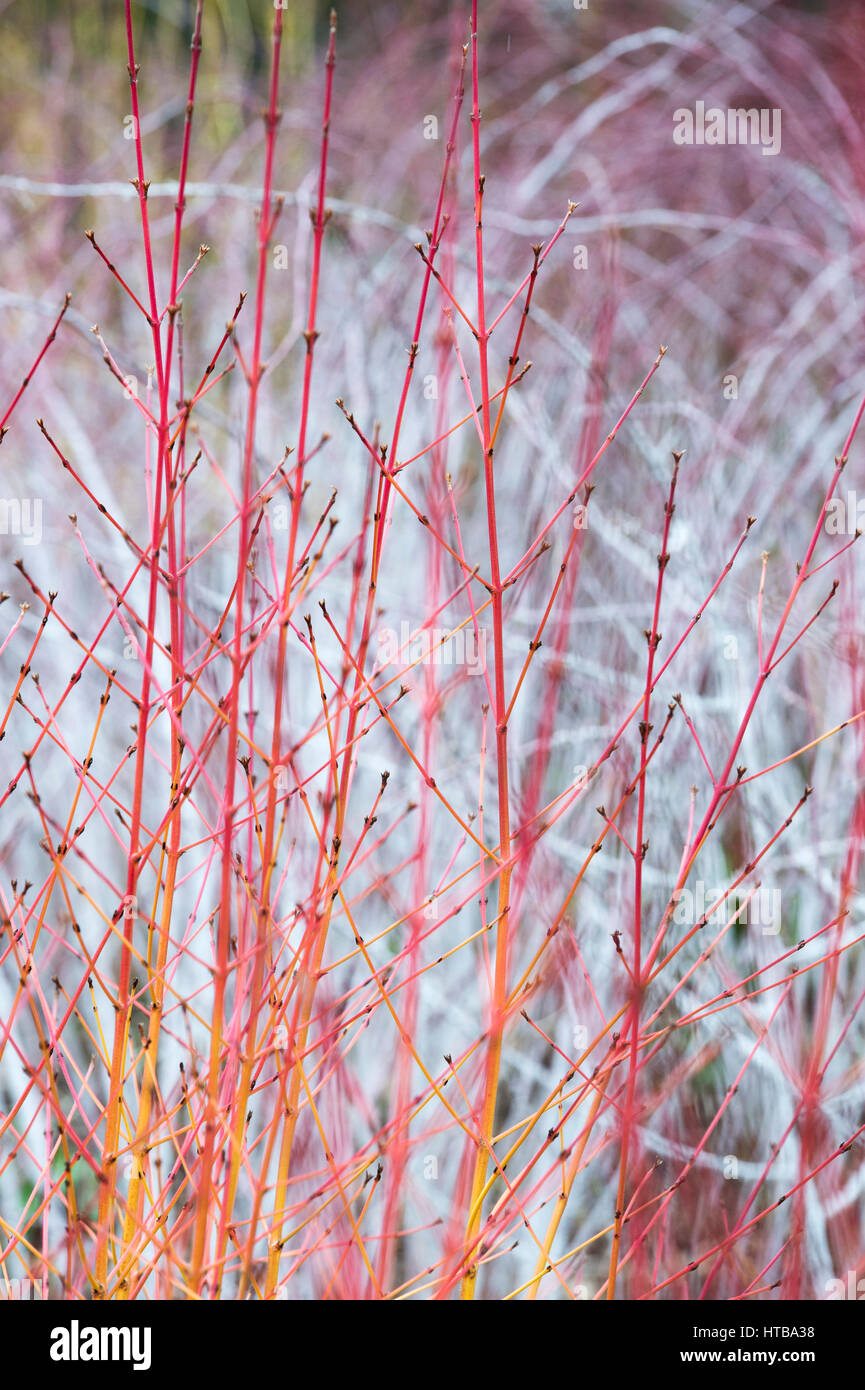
[(433, 824)]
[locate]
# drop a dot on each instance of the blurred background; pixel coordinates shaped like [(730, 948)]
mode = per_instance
[(747, 267)]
